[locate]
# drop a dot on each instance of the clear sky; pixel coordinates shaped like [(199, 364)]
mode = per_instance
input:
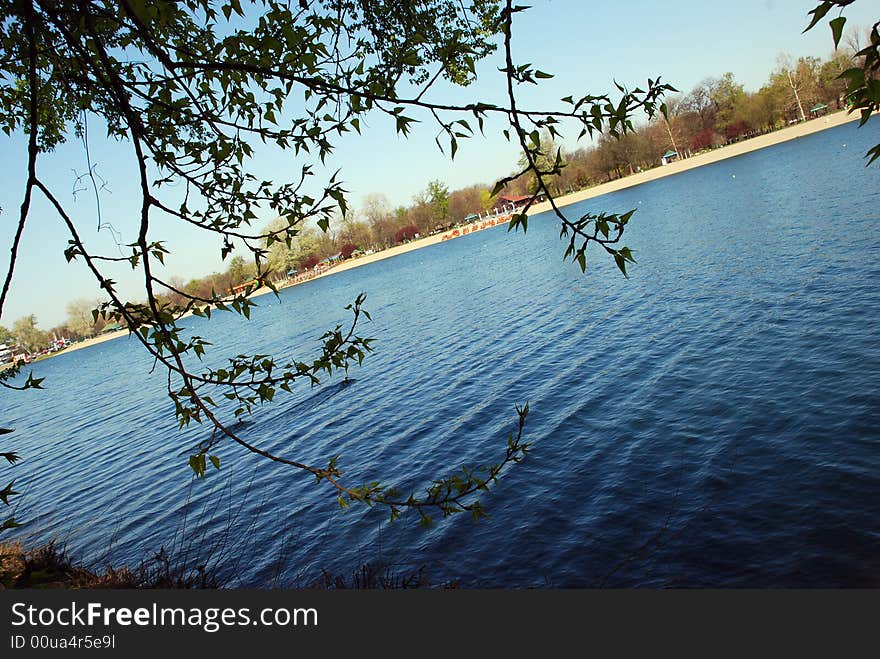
[(586, 45)]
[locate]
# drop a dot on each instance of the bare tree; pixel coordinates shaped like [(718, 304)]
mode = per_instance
[(80, 318)]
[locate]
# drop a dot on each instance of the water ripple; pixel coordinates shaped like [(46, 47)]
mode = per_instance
[(712, 421)]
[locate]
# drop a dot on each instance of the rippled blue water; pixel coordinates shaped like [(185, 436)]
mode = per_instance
[(712, 421)]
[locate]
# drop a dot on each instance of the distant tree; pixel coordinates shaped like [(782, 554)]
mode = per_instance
[(80, 319), (727, 95), (377, 213), (6, 336), (800, 78), (280, 256), (421, 214), (240, 271), (831, 85), (762, 110), (406, 233), (347, 250), (175, 293), (736, 129), (672, 124), (355, 233), (548, 158), (309, 262), (464, 202), (375, 207), (604, 159), (203, 287), (28, 335), (487, 200), (580, 171), (326, 241), (699, 102), (438, 197), (703, 140)]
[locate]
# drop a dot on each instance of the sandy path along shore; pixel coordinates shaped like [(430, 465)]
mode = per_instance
[(716, 155)]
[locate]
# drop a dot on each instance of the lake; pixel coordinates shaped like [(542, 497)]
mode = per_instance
[(714, 420)]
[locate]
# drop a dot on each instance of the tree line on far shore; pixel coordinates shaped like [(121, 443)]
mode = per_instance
[(718, 111)]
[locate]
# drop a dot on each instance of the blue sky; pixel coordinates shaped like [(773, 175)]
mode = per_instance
[(585, 45)]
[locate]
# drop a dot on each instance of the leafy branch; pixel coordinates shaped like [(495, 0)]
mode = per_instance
[(189, 90), (863, 80)]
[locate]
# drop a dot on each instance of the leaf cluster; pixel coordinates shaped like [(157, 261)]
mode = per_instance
[(863, 80)]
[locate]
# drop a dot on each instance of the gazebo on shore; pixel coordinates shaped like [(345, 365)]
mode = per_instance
[(668, 157)]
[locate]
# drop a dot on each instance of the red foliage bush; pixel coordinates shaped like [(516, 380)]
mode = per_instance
[(734, 130), (702, 140), (406, 233), (346, 250), (308, 262)]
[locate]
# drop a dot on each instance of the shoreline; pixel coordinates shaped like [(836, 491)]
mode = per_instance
[(661, 171), (786, 134)]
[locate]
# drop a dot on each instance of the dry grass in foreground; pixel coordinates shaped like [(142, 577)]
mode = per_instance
[(50, 566)]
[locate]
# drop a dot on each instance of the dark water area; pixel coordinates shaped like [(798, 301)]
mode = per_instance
[(714, 420)]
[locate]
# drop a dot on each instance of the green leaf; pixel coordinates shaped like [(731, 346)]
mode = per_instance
[(7, 492), (197, 464), (837, 28), (818, 14), (621, 263)]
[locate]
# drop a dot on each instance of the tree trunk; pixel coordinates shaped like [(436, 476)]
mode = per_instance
[(797, 96), (671, 138)]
